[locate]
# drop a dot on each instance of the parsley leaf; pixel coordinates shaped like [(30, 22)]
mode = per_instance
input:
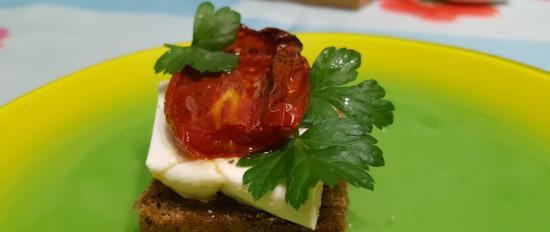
[(363, 102), (215, 30), (200, 59), (328, 151), (212, 32), (268, 169), (337, 145), (334, 67)]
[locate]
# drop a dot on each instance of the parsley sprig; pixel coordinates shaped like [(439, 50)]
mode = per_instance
[(212, 32), (363, 102), (337, 145)]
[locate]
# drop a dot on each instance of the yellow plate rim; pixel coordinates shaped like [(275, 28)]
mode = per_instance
[(412, 42)]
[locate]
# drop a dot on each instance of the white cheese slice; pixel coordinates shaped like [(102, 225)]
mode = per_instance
[(196, 179), (202, 179), (273, 202)]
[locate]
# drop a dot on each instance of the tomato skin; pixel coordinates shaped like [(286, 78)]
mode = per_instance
[(255, 107)]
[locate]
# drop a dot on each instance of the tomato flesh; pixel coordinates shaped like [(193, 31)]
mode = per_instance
[(255, 107)]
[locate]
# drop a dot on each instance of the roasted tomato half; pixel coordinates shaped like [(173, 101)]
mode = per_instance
[(253, 108)]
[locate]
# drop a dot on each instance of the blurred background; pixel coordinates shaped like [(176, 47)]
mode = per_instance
[(43, 40)]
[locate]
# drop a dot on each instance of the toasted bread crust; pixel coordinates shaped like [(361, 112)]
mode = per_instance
[(162, 210)]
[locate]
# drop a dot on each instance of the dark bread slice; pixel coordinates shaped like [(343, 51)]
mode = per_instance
[(162, 210)]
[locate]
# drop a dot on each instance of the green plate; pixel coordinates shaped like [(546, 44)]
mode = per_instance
[(468, 151)]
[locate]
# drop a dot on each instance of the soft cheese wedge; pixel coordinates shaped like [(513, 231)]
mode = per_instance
[(202, 179)]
